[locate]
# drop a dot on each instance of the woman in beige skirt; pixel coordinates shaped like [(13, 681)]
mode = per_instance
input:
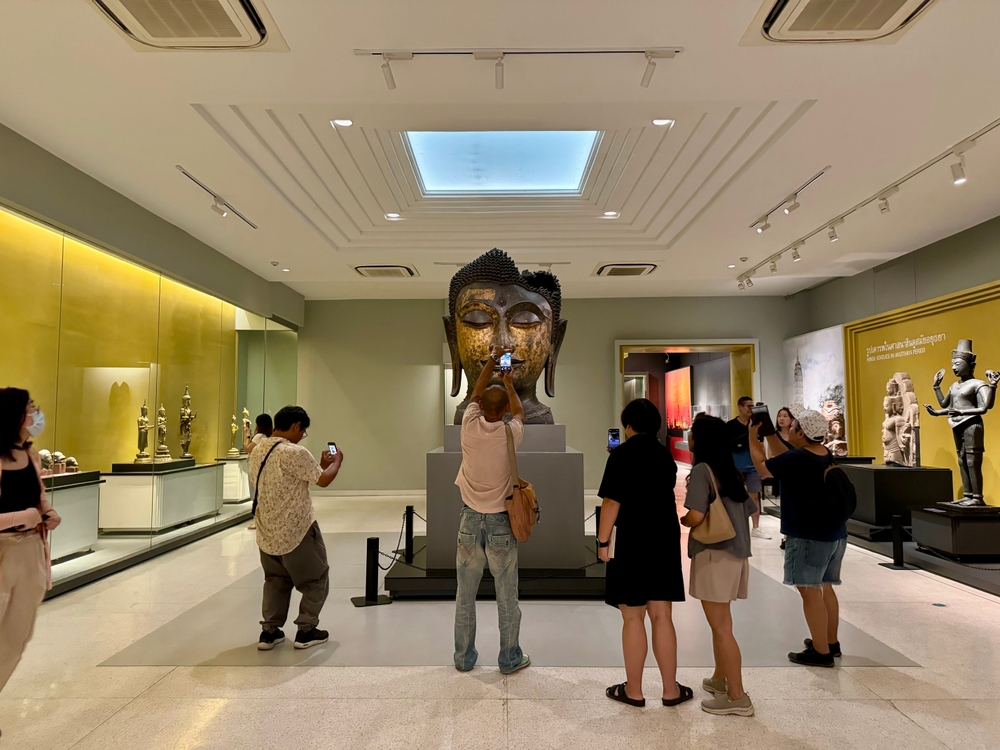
[(26, 517), (719, 572)]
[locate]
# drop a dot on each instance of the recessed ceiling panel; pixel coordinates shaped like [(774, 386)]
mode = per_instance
[(503, 162)]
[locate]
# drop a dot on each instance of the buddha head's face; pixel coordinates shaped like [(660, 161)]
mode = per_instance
[(492, 304)]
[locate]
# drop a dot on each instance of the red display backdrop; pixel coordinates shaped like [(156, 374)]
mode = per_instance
[(678, 409)]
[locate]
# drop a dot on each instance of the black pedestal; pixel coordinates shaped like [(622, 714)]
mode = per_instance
[(404, 582), (887, 491), (155, 467), (958, 533)]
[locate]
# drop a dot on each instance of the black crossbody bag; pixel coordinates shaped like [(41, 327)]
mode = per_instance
[(256, 487)]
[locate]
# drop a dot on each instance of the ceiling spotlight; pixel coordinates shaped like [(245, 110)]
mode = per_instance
[(662, 123), (390, 82), (832, 234), (220, 208), (958, 171), (791, 203), (883, 205), (774, 266), (741, 286), (795, 255), (763, 225), (286, 270), (611, 214), (647, 74), (392, 216), (498, 72), (732, 265), (749, 282), (342, 123)]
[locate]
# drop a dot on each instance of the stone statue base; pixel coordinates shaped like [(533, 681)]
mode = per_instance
[(972, 510), (143, 458)]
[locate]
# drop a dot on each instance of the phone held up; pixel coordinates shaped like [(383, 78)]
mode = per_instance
[(332, 447), (760, 415), (505, 363), (614, 438)]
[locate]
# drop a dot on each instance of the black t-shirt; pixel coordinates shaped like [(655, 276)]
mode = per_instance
[(800, 472), (739, 435)]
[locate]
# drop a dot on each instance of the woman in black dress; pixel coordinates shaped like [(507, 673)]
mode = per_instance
[(644, 575)]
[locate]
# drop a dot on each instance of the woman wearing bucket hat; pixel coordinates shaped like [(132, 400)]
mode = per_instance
[(814, 549)]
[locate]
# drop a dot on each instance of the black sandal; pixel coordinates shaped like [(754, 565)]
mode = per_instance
[(686, 695), (617, 693)]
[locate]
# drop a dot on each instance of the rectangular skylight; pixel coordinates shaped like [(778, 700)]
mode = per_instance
[(497, 162)]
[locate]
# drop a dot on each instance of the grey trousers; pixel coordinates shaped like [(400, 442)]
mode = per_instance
[(305, 569)]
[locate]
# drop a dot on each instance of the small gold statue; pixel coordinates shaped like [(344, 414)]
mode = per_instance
[(187, 418), (234, 452), (247, 429), (162, 451), (143, 457)]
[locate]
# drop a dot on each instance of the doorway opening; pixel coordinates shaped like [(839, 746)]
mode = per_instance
[(684, 378)]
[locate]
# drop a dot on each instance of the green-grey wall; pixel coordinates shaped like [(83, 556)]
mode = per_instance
[(371, 373), (963, 260), (40, 184)]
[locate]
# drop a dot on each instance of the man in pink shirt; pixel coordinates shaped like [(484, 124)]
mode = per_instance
[(484, 533)]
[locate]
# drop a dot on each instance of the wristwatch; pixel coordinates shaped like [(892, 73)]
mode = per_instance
[(602, 545)]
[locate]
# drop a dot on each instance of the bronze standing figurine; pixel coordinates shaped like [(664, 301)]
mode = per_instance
[(162, 451), (966, 402), (187, 420), (143, 457)]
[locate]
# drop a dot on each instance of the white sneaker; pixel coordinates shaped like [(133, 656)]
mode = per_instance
[(759, 533)]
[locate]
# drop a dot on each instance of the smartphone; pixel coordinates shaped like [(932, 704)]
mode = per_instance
[(614, 438), (332, 447), (760, 415), (505, 365)]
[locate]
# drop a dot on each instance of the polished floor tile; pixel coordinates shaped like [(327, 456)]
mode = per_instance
[(961, 725)]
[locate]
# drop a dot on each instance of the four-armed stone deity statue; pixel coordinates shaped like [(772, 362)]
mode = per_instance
[(187, 419), (965, 404), (489, 304), (143, 457)]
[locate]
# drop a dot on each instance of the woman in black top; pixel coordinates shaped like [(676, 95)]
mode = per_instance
[(25, 518), (644, 576)]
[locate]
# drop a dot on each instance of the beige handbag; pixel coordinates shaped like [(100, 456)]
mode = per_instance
[(717, 526), (521, 503)]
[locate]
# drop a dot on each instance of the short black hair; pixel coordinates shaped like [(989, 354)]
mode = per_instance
[(265, 424), (290, 415), (13, 406), (743, 399), (642, 416)]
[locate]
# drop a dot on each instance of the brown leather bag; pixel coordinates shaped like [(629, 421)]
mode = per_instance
[(521, 503)]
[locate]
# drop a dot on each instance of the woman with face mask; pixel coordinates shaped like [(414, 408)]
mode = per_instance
[(26, 517)]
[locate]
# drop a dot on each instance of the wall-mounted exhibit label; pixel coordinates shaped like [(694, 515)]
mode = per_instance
[(906, 347)]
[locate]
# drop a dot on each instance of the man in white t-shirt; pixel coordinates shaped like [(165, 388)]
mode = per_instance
[(484, 534)]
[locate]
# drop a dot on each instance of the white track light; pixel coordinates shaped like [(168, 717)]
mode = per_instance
[(498, 72), (774, 266), (832, 234), (958, 171), (390, 82), (220, 208), (749, 282), (741, 286), (883, 205), (342, 123), (763, 225), (791, 203), (392, 216), (647, 74), (732, 265), (795, 255)]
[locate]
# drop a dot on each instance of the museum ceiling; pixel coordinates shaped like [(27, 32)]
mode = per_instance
[(750, 124)]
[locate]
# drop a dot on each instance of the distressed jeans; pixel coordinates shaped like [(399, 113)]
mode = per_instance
[(486, 538)]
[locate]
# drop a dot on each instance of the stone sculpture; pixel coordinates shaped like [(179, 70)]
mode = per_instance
[(908, 422), (46, 458), (143, 457), (490, 303), (892, 449), (162, 451), (966, 402), (187, 421)]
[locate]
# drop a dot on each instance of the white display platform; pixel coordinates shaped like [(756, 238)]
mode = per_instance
[(236, 479), (158, 501), (78, 505)]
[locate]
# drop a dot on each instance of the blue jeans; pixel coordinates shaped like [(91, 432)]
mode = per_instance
[(811, 564), (486, 538)]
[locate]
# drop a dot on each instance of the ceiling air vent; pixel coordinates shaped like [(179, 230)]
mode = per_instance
[(835, 20), (192, 24), (386, 272), (626, 269)]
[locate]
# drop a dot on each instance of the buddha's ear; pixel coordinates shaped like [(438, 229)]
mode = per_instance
[(558, 334), (456, 360)]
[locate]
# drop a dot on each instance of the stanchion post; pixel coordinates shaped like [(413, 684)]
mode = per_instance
[(371, 597), (898, 563), (597, 530), (408, 549)]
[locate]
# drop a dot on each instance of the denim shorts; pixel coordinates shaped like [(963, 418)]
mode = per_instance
[(810, 564)]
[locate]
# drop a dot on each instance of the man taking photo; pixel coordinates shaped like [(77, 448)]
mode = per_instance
[(485, 536), (292, 551)]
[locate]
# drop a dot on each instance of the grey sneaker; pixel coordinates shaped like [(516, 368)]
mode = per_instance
[(525, 662), (721, 705), (715, 687)]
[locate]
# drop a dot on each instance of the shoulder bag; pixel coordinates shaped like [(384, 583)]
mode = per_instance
[(717, 526), (256, 486), (521, 503)]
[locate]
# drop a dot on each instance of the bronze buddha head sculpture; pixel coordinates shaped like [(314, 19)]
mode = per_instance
[(491, 303)]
